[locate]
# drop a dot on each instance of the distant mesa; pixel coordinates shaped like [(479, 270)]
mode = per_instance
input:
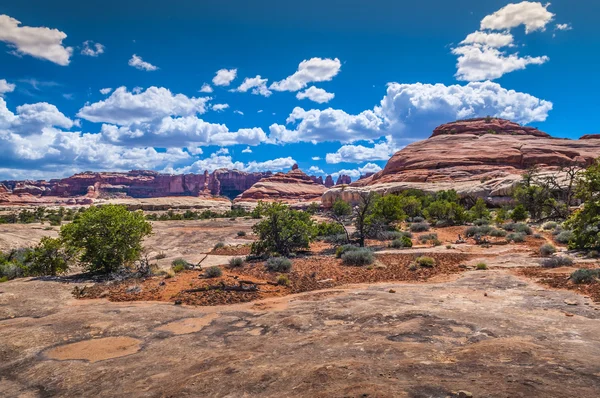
[(489, 125)]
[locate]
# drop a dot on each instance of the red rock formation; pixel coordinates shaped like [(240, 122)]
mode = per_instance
[(291, 187), (329, 181), (343, 180), (590, 137), (474, 163), (317, 180)]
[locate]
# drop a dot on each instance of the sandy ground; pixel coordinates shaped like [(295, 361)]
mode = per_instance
[(493, 333)]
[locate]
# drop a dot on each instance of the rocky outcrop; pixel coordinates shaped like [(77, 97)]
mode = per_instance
[(329, 182), (343, 180), (291, 187), (487, 161)]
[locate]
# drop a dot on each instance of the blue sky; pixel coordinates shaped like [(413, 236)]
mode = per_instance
[(326, 104)]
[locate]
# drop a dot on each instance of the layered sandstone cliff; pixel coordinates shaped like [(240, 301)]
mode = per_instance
[(479, 157), (291, 187)]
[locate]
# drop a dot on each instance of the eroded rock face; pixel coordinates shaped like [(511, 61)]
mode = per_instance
[(329, 182), (473, 162), (343, 180), (291, 187)]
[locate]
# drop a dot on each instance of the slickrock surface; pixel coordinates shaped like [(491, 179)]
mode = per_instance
[(476, 157)]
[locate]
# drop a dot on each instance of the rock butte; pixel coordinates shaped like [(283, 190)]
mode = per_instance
[(477, 157)]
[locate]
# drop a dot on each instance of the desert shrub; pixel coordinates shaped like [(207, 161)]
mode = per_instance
[(389, 235), (481, 221), (358, 257), (509, 226), (480, 211), (547, 249), (519, 213), (516, 237), (178, 268), (538, 236), (241, 233), (558, 261), (425, 261), (585, 276), (417, 219), (344, 249), (339, 239), (12, 270), (160, 256), (593, 254), (107, 237), (419, 227), (523, 228), (436, 242), (49, 257), (279, 264), (478, 230), (564, 237), (550, 225), (329, 228), (283, 230), (283, 280), (388, 209), (481, 266), (218, 245), (402, 243), (213, 272), (428, 237), (179, 264), (558, 230), (447, 211), (236, 262), (497, 233)]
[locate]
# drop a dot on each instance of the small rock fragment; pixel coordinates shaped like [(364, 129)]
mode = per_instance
[(392, 291), (571, 302), (178, 302), (464, 394)]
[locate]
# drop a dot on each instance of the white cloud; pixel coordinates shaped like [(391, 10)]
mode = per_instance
[(257, 84), (123, 107), (224, 77), (222, 151), (490, 39), (6, 87), (315, 170), (533, 15), (316, 158), (247, 150), (416, 109), (32, 118), (563, 26), (356, 173), (359, 153), (195, 150), (273, 165), (217, 161), (312, 70), (92, 49), (206, 88), (219, 107), (315, 94), (328, 125), (106, 90), (239, 112), (259, 111), (44, 43), (476, 63), (139, 63)]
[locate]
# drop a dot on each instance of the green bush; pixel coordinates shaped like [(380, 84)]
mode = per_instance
[(358, 257), (344, 249), (419, 227), (497, 233), (329, 228), (432, 237), (213, 272), (218, 245), (547, 249), (549, 225), (555, 262), (519, 213), (49, 257), (585, 276), (283, 280), (402, 243), (107, 237), (338, 239), (564, 237), (448, 212), (481, 266), (481, 221), (417, 219), (241, 233), (516, 237), (283, 231), (178, 268), (482, 230), (393, 235), (425, 261), (236, 262), (180, 262), (279, 264)]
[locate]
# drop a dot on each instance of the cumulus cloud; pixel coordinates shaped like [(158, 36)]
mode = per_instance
[(327, 125), (92, 49), (533, 15), (312, 70), (6, 87), (247, 150), (357, 173), (481, 55), (563, 26), (105, 91), (139, 63), (206, 88), (31, 118), (224, 77), (315, 94), (257, 84), (124, 107), (219, 107), (360, 154), (316, 158), (315, 170), (477, 63), (43, 43), (219, 161)]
